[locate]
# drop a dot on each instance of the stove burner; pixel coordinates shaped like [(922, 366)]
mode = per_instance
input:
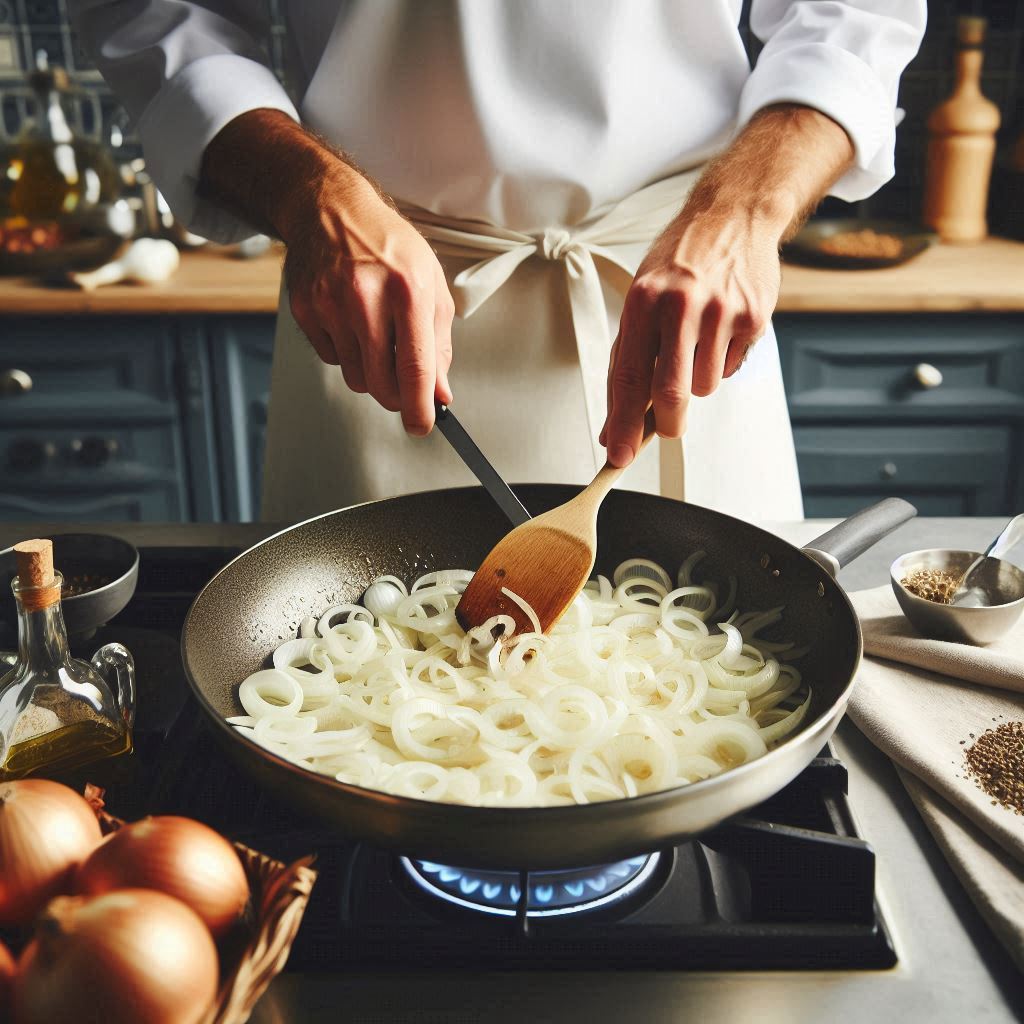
[(551, 893)]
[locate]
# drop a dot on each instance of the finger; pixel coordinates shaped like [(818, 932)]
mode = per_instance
[(371, 321), (444, 314), (415, 363), (631, 379), (670, 391), (309, 324), (712, 346), (349, 355), (746, 330), (603, 436)]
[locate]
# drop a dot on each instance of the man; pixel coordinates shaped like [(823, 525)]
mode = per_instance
[(543, 169)]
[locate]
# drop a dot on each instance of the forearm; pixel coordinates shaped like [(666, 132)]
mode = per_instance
[(268, 170), (775, 172)]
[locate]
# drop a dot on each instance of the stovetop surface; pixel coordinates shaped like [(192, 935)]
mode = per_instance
[(789, 885)]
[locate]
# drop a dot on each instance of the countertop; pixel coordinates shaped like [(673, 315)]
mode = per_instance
[(945, 278), (950, 967)]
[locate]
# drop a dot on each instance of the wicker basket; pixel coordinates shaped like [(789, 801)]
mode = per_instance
[(278, 897)]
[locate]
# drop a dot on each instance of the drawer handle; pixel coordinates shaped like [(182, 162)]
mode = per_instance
[(888, 471), (94, 451), (14, 382), (927, 376)]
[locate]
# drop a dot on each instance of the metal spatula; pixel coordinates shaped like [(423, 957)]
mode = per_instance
[(544, 562)]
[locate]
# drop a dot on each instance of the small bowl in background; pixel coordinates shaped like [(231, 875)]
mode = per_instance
[(105, 569), (972, 625)]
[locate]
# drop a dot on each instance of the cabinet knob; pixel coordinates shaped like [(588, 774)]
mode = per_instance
[(14, 382), (26, 454), (888, 471), (94, 451), (927, 376)]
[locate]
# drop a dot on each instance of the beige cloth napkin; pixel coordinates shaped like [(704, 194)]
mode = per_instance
[(924, 702)]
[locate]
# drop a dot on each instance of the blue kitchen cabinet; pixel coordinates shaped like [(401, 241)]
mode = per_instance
[(163, 418), (132, 418), (90, 426), (928, 407)]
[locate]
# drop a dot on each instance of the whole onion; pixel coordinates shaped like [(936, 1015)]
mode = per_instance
[(46, 830), (6, 978), (178, 856), (122, 958)]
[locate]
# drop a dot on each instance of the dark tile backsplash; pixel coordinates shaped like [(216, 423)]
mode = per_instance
[(27, 26)]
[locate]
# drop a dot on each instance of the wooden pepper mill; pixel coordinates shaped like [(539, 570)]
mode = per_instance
[(961, 146)]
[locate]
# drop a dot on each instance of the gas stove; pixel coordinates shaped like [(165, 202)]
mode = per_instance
[(789, 886)]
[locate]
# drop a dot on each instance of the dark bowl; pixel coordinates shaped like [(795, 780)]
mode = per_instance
[(805, 246), (83, 253), (78, 554)]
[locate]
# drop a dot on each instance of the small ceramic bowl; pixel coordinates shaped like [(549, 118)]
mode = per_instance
[(981, 625)]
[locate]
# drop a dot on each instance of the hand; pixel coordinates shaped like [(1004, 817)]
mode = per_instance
[(369, 293), (701, 297)]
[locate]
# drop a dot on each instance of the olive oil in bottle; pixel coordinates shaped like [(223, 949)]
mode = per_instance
[(51, 172), (57, 712)]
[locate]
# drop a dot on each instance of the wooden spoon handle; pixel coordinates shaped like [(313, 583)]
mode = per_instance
[(597, 490)]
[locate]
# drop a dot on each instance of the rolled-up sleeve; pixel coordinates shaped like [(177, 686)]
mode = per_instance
[(183, 71), (844, 59)]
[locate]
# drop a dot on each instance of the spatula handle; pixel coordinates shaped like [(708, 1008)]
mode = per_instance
[(599, 487)]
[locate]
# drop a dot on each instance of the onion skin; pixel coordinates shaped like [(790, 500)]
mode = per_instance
[(173, 855), (123, 958), (46, 831), (7, 969)]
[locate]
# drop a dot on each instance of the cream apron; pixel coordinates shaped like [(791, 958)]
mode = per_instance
[(532, 338)]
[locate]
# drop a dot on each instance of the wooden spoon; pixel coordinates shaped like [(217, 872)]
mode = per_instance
[(545, 561)]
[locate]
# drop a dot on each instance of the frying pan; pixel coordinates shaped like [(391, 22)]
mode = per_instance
[(258, 600)]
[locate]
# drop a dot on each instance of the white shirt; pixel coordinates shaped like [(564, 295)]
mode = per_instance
[(522, 113)]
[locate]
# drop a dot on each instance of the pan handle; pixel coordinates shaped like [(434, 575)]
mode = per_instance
[(853, 536)]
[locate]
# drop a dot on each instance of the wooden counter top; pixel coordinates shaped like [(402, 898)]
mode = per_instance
[(946, 278), (208, 281), (943, 279)]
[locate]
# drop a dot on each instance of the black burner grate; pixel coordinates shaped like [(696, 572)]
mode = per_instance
[(789, 886)]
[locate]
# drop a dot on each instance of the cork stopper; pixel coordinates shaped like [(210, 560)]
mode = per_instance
[(37, 587), (970, 30)]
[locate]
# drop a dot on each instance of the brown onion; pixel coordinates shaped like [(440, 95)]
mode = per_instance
[(6, 977), (122, 958), (178, 856), (46, 830)]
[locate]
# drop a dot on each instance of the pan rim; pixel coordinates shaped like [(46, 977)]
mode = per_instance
[(829, 717)]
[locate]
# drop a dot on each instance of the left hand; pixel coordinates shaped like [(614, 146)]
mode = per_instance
[(702, 296)]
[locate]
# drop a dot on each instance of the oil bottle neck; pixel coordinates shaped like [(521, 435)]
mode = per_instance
[(42, 636)]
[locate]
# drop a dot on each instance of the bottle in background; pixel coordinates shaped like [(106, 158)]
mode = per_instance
[(961, 146)]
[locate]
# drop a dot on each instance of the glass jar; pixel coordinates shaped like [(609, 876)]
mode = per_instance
[(57, 712), (50, 172)]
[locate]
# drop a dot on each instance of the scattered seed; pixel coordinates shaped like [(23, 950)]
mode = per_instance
[(996, 761)]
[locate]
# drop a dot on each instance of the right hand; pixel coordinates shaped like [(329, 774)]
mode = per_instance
[(369, 293)]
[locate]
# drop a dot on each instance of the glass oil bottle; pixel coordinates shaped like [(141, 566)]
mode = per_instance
[(57, 712)]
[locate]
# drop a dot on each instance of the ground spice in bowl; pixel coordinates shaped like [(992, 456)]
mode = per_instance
[(868, 243), (932, 584), (996, 761)]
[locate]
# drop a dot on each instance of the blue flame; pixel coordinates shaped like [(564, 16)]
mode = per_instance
[(550, 893)]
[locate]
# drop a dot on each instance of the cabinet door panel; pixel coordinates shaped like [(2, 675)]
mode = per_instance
[(55, 370), (241, 352), (159, 505), (919, 367), (945, 470)]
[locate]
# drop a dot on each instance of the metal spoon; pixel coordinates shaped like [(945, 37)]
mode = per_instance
[(967, 596)]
